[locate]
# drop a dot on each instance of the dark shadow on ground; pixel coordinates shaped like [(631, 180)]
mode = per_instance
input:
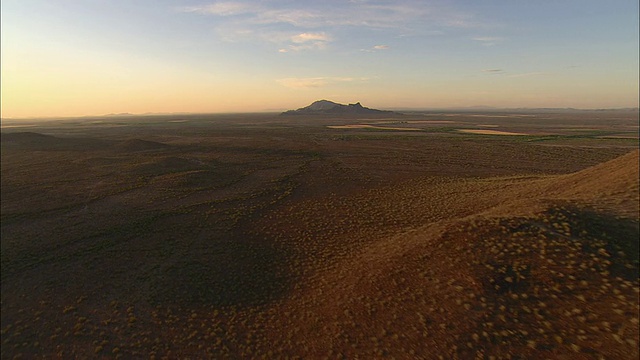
[(619, 236), (240, 272)]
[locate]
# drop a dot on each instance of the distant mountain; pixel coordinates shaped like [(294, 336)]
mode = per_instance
[(120, 114), (329, 107)]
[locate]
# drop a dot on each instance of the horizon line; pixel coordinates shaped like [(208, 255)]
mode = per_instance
[(275, 111)]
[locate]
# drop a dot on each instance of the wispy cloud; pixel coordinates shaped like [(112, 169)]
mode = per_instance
[(488, 40), (304, 37), (314, 18), (316, 82), (376, 48), (306, 41), (302, 83), (520, 75), (318, 45), (462, 21), (530, 74), (221, 8)]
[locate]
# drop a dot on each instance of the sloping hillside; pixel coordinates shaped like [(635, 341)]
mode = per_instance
[(561, 282), (612, 185)]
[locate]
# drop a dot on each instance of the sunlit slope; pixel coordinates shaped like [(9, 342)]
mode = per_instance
[(612, 185), (548, 268)]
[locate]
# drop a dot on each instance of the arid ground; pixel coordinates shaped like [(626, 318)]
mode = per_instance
[(424, 235)]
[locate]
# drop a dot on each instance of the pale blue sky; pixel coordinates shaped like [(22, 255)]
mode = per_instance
[(68, 58)]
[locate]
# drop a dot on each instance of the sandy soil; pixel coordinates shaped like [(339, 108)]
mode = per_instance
[(489, 132), (17, 126), (430, 122), (364, 126)]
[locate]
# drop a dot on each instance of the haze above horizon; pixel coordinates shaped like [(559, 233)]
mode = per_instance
[(83, 58)]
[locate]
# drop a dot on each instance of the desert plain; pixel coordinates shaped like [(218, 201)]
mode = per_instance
[(451, 235)]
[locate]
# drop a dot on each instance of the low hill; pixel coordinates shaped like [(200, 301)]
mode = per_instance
[(321, 107), (612, 185), (135, 145), (35, 141), (27, 138)]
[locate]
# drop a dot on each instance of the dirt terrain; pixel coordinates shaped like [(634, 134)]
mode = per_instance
[(266, 236)]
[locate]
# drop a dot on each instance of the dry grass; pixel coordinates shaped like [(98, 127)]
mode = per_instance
[(263, 237)]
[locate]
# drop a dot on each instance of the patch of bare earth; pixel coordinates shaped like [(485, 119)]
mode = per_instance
[(489, 132), (364, 126)]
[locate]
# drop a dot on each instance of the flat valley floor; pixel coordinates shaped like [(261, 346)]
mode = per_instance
[(423, 235)]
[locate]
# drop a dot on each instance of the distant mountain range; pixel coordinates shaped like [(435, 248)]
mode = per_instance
[(321, 107), (482, 108)]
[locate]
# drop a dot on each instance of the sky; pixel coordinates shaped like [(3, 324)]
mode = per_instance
[(97, 57)]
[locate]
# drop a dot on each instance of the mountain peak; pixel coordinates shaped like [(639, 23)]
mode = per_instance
[(329, 107), (321, 105)]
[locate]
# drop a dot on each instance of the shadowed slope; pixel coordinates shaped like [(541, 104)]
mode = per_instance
[(134, 145), (36, 141)]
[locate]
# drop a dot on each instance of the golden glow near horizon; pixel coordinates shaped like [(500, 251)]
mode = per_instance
[(82, 59)]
